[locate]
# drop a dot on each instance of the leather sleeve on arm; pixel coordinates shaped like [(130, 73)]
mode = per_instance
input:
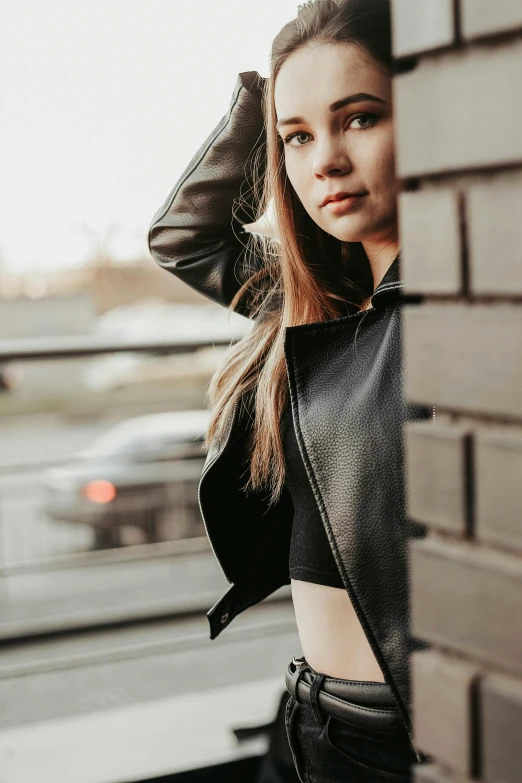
[(194, 234)]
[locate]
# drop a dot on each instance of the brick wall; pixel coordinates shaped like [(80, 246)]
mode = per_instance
[(458, 103)]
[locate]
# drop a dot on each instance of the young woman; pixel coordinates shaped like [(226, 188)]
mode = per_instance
[(304, 477)]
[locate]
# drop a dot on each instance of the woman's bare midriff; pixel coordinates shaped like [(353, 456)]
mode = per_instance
[(332, 639)]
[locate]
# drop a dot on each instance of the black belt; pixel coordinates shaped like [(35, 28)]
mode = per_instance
[(367, 704)]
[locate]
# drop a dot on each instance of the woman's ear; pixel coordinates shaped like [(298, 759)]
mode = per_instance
[(266, 224)]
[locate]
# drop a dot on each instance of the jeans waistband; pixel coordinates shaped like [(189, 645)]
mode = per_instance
[(363, 703)]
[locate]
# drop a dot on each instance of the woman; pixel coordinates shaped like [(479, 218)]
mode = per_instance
[(304, 480)]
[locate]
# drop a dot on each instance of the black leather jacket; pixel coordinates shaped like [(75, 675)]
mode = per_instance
[(345, 380)]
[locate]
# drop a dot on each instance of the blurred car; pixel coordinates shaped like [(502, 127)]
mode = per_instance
[(143, 472)]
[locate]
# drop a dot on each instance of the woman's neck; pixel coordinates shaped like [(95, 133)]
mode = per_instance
[(381, 256)]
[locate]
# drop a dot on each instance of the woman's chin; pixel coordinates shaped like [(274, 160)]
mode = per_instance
[(346, 235)]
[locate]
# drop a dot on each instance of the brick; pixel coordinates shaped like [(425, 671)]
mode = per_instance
[(444, 116), (421, 26), (501, 722), (464, 357), (498, 481), (469, 599), (443, 708), (494, 226), (429, 227), (482, 17), (436, 475)]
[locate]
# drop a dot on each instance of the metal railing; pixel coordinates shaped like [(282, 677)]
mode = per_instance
[(44, 348)]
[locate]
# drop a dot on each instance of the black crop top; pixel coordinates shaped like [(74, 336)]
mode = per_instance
[(311, 557)]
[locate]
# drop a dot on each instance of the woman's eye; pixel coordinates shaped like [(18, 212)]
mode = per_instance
[(293, 135), (364, 117), (373, 119)]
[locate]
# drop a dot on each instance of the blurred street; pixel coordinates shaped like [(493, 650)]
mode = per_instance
[(116, 644), (130, 703), (119, 631), (58, 677)]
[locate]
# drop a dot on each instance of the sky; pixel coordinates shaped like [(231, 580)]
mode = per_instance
[(104, 102)]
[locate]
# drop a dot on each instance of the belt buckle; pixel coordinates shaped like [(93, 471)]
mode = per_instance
[(299, 663)]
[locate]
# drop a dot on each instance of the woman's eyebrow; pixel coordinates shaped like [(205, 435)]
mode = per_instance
[(335, 106)]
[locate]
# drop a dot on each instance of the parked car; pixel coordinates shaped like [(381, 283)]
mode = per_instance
[(141, 473)]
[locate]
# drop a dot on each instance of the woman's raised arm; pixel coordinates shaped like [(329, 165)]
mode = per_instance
[(194, 234)]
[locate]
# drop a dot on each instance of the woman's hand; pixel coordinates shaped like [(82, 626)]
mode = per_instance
[(266, 224)]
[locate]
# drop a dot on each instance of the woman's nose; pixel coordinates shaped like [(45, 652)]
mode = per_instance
[(331, 159)]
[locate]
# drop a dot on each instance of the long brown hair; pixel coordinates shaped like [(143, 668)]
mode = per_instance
[(307, 275)]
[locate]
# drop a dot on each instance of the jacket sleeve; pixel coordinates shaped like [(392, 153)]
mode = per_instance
[(194, 234)]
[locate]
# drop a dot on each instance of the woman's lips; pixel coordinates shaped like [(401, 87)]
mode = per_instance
[(343, 205)]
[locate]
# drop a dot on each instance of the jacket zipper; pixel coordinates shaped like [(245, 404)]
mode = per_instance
[(205, 471)]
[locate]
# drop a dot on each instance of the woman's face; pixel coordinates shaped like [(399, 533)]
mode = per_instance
[(331, 149)]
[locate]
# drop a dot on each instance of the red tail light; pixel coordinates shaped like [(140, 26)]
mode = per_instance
[(99, 491)]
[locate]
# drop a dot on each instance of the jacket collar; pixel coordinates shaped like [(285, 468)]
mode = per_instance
[(390, 285)]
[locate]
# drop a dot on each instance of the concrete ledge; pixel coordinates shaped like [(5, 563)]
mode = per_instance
[(141, 741)]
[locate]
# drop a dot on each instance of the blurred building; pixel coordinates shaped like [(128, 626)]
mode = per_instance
[(107, 282)]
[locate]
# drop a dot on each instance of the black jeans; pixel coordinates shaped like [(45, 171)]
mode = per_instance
[(327, 749)]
